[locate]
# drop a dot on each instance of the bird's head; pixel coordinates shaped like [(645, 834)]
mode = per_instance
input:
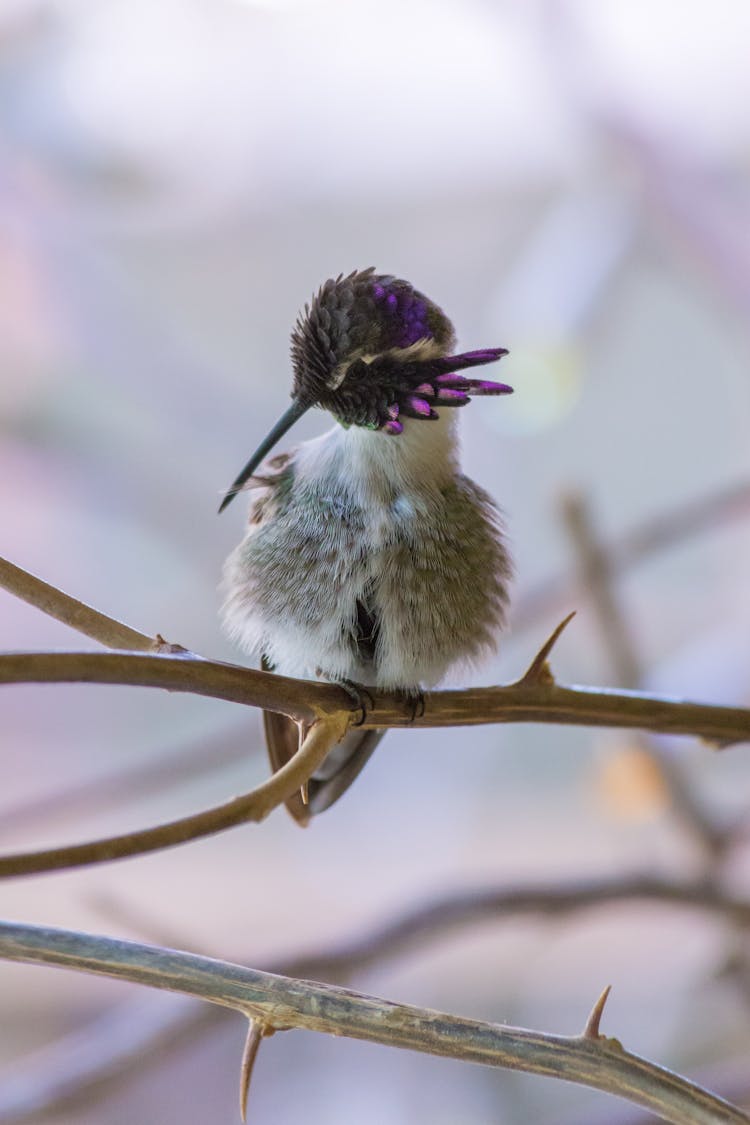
[(373, 351)]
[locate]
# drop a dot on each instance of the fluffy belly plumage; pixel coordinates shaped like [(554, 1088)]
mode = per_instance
[(393, 595)]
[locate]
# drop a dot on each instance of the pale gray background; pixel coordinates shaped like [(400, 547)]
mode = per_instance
[(568, 179)]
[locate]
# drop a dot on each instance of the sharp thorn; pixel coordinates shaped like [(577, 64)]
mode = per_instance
[(255, 1033), (538, 672), (166, 647), (591, 1030)]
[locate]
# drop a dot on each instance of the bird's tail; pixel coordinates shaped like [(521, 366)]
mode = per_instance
[(333, 777)]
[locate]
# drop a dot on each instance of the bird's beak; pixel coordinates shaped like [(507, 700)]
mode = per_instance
[(285, 422)]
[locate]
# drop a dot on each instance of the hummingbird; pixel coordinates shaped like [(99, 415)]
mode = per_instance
[(369, 558)]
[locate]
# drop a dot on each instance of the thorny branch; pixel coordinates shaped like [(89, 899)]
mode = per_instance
[(327, 706), (136, 1032), (536, 697), (525, 701), (281, 1002), (153, 662)]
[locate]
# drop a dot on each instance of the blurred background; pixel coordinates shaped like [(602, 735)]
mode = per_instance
[(568, 179)]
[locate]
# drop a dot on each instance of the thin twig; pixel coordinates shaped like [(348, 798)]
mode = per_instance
[(285, 1002), (215, 752), (107, 630), (253, 806), (174, 668), (182, 672)]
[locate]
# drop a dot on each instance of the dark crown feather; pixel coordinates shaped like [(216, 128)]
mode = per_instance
[(355, 352)]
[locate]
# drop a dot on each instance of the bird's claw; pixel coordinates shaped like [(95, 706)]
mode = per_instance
[(415, 698), (359, 693)]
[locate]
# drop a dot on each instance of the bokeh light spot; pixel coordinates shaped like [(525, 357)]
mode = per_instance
[(547, 381)]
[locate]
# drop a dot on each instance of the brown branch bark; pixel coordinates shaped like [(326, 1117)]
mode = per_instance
[(282, 1002), (536, 697), (307, 700), (530, 700)]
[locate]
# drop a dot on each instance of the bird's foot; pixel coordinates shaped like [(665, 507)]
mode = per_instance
[(359, 693), (415, 698)]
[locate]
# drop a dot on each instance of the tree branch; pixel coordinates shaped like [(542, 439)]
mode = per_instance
[(84, 1060), (210, 754), (535, 698), (282, 1002), (253, 806), (107, 630), (155, 663), (308, 700)]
